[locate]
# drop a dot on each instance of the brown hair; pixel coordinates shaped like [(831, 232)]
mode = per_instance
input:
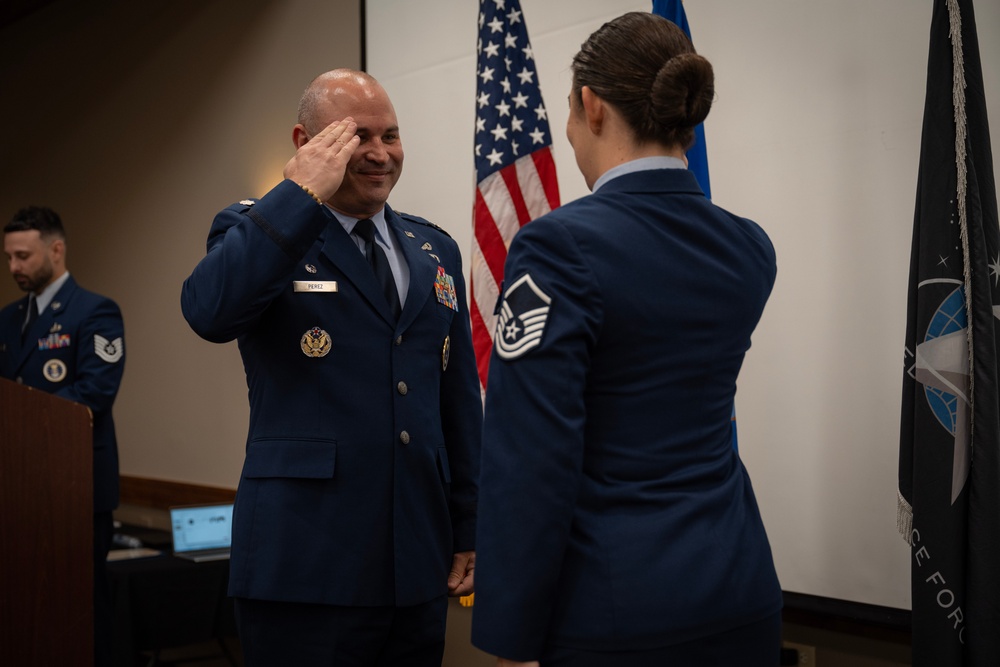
[(646, 67), (45, 220)]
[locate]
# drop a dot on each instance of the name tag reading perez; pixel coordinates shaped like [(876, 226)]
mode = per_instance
[(314, 285)]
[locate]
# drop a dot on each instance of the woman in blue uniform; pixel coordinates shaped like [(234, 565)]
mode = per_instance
[(617, 525)]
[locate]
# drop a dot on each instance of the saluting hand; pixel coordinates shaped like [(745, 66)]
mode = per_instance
[(320, 162)]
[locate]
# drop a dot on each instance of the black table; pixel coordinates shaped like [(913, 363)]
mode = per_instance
[(163, 602)]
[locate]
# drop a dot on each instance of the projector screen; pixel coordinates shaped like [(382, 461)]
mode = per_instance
[(815, 134)]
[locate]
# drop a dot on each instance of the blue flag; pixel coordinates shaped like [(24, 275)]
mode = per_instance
[(673, 10), (697, 155)]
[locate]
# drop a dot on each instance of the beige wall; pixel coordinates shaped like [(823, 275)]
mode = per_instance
[(137, 122)]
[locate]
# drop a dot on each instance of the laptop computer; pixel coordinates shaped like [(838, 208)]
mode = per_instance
[(202, 532)]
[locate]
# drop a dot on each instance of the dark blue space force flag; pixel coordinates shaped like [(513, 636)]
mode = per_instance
[(949, 470)]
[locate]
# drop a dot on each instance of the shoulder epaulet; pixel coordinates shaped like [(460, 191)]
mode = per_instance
[(243, 204), (422, 221)]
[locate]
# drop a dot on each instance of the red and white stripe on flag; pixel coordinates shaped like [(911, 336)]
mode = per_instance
[(515, 172)]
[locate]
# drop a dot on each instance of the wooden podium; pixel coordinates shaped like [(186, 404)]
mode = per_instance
[(46, 529)]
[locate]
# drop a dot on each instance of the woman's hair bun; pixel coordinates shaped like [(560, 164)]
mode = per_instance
[(645, 66), (683, 91)]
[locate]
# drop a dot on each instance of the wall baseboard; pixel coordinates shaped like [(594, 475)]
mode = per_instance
[(853, 618), (162, 493)]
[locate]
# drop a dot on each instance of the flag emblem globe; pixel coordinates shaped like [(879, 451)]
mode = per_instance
[(949, 318)]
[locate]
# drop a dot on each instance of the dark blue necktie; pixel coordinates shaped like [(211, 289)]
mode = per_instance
[(365, 229)]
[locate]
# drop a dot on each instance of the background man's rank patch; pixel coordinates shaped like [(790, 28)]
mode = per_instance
[(522, 318), (109, 350)]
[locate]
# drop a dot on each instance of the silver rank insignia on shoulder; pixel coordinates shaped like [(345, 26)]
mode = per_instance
[(315, 343), (246, 202), (110, 351), (310, 268), (445, 353), (522, 319)]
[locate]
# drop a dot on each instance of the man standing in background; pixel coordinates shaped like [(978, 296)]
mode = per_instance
[(69, 342)]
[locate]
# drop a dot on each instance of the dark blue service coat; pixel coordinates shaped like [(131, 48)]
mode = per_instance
[(75, 350), (360, 475), (614, 512)]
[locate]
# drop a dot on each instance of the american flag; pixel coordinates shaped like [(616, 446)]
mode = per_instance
[(515, 173)]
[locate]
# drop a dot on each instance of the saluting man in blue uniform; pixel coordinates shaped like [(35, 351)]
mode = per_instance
[(69, 342), (356, 510)]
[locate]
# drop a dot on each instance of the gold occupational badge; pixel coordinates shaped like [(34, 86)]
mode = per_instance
[(315, 343), (445, 353)]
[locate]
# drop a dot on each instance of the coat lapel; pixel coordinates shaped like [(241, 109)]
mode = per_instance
[(340, 249), (423, 268)]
